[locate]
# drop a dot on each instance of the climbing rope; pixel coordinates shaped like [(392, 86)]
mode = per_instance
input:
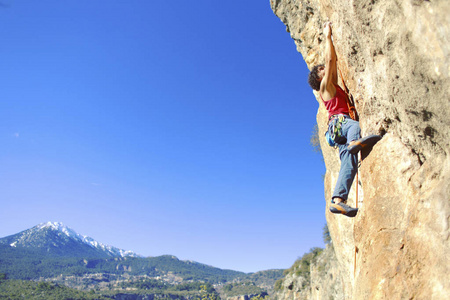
[(350, 101), (354, 115), (356, 205)]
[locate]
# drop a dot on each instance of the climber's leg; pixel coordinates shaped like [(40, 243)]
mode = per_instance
[(347, 172), (363, 143), (351, 130)]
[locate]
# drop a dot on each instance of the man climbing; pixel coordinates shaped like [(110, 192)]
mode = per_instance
[(343, 131)]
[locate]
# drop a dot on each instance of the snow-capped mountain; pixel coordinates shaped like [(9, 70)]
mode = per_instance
[(57, 239)]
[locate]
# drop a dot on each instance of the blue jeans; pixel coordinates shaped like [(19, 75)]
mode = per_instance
[(349, 162)]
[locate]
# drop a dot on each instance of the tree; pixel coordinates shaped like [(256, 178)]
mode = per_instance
[(326, 234), (315, 140), (259, 297), (207, 295)]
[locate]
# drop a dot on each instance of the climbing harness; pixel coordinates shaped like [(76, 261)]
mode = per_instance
[(334, 133)]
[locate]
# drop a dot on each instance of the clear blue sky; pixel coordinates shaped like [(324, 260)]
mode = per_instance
[(162, 127)]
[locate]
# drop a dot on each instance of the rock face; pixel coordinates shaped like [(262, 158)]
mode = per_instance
[(322, 282), (395, 58)]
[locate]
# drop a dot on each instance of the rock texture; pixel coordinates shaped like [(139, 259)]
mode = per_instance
[(324, 280), (395, 58)]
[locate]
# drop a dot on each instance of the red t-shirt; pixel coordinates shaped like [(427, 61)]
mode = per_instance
[(337, 104)]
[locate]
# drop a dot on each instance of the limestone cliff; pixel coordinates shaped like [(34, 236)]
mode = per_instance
[(395, 58), (314, 276)]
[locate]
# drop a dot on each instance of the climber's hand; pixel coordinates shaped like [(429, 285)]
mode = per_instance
[(327, 29)]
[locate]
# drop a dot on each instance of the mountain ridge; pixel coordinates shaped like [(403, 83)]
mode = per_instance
[(53, 250), (57, 238)]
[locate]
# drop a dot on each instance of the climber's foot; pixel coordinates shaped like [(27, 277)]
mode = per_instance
[(342, 208), (363, 143)]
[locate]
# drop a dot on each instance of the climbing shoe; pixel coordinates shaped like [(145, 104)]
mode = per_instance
[(342, 208), (363, 143)]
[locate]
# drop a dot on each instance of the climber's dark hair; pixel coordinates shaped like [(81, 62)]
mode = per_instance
[(313, 78)]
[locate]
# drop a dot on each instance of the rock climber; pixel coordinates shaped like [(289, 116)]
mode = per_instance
[(343, 131)]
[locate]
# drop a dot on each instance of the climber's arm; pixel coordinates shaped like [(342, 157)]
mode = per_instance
[(327, 87)]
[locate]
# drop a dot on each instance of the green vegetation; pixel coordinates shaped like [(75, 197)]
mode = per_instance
[(243, 288), (315, 143), (315, 140), (278, 284), (207, 294), (26, 264), (106, 278), (326, 234), (301, 268), (165, 277), (163, 290), (159, 287), (259, 297), (267, 277), (20, 289)]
